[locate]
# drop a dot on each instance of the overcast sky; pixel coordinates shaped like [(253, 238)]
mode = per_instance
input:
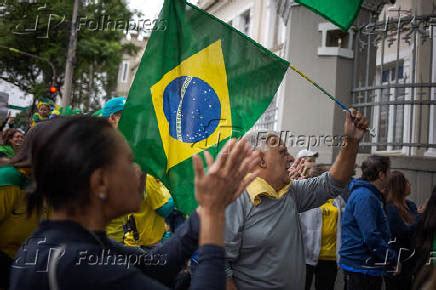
[(150, 8)]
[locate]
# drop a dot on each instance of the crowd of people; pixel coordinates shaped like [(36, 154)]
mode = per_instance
[(76, 212), (374, 233)]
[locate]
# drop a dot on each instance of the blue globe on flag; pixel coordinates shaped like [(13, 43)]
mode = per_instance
[(192, 109)]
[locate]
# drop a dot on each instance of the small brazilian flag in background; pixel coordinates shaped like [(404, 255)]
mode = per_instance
[(200, 82)]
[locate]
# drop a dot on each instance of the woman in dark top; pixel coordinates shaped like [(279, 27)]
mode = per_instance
[(425, 244), (402, 216), (83, 170)]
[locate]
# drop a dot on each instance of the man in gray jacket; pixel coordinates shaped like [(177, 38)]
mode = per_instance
[(263, 239)]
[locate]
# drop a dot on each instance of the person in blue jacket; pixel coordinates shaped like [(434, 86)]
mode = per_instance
[(365, 237)]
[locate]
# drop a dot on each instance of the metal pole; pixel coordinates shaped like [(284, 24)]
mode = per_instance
[(71, 55)]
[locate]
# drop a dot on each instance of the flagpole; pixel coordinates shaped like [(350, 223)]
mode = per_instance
[(324, 91)]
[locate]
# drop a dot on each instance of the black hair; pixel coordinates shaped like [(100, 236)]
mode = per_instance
[(425, 232), (373, 165), (65, 155)]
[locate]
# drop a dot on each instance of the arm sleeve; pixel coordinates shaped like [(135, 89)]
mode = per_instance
[(313, 192), (209, 275), (366, 211), (235, 219), (165, 210), (174, 253), (210, 272), (157, 194)]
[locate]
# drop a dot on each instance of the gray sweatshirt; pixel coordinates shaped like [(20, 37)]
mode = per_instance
[(264, 248)]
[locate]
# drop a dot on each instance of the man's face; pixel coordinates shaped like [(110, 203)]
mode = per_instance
[(277, 160)]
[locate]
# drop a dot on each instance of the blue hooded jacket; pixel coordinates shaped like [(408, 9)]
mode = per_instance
[(365, 231)]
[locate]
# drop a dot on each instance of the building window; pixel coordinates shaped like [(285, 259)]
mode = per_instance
[(394, 83), (245, 19), (124, 71), (242, 22), (391, 116), (268, 120), (335, 42), (385, 76), (337, 38)]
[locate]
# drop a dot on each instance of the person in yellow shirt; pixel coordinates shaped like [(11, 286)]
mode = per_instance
[(321, 236), (112, 111), (146, 228), (15, 223)]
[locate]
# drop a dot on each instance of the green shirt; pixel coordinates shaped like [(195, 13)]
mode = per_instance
[(7, 150), (10, 176)]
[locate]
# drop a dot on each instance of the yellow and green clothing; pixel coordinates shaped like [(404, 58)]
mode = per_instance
[(7, 151), (114, 230), (260, 187), (149, 223), (37, 118), (15, 226), (330, 215), (321, 230)]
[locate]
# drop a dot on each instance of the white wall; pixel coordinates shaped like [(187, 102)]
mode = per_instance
[(17, 97)]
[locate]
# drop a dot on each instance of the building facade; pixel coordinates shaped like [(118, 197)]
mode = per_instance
[(12, 99), (383, 66), (130, 63), (394, 84), (259, 19)]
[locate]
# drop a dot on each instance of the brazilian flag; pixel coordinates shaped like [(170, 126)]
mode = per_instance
[(340, 12), (199, 83)]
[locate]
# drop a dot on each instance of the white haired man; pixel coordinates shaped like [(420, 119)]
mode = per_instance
[(263, 241)]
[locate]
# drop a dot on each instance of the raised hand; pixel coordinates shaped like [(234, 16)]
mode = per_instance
[(226, 177), (355, 125), (296, 169)]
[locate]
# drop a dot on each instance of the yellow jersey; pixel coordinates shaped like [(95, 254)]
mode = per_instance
[(150, 226), (15, 226), (328, 233), (114, 229)]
